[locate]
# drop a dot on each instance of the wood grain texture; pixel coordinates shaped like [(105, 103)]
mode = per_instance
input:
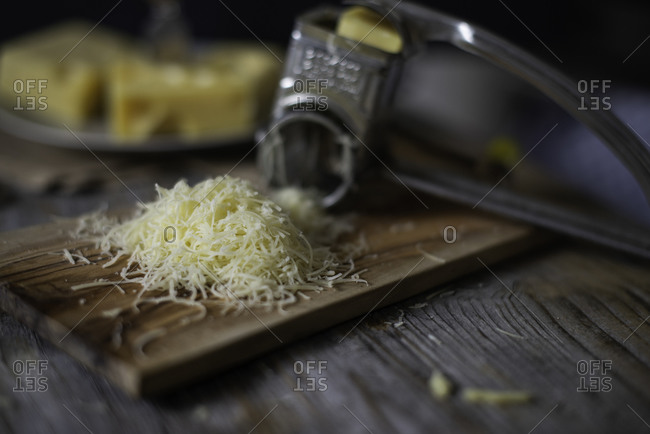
[(158, 348), (566, 305), (596, 302)]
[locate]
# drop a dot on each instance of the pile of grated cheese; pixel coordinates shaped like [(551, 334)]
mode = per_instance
[(222, 241)]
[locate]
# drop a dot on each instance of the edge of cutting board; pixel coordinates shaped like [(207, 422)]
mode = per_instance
[(262, 331)]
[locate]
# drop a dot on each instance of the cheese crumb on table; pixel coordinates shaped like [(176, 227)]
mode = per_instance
[(496, 397), (441, 387)]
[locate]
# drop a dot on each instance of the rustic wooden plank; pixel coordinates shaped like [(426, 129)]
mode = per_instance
[(38, 280), (379, 371)]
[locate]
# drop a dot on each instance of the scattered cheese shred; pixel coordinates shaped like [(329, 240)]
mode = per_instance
[(98, 282), (81, 257), (441, 387), (70, 257), (67, 255), (306, 212), (507, 333), (496, 397), (400, 319), (434, 339), (223, 242)]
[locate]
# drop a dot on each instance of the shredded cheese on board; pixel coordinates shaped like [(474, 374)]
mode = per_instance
[(223, 242)]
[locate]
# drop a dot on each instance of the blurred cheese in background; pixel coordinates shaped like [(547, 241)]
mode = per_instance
[(223, 90), (66, 65), (256, 63), (219, 94)]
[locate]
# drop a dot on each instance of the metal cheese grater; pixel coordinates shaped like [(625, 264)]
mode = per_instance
[(330, 105), (326, 106)]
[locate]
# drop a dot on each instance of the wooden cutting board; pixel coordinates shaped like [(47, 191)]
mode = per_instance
[(407, 254)]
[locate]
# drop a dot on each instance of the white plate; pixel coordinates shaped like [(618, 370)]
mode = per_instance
[(95, 136)]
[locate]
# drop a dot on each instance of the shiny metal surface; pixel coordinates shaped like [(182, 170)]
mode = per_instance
[(352, 114)]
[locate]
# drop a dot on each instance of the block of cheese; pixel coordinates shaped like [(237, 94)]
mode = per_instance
[(368, 27), (218, 95), (58, 73)]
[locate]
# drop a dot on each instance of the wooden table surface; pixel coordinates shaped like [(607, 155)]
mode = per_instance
[(569, 323)]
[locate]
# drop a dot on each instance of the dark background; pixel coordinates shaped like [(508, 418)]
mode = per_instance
[(592, 38)]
